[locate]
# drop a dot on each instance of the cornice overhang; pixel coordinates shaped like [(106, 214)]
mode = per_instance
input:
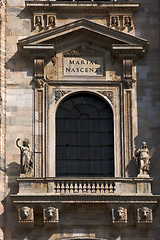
[(120, 43), (40, 50), (89, 199), (91, 6)]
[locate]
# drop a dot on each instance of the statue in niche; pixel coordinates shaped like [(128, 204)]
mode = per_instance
[(115, 22), (51, 21), (144, 214), (25, 214), (38, 22), (50, 214), (26, 156), (143, 159), (127, 23), (119, 214)]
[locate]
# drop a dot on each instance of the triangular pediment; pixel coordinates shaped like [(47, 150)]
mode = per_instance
[(85, 29)]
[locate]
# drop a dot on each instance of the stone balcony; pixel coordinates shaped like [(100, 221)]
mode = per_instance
[(84, 186)]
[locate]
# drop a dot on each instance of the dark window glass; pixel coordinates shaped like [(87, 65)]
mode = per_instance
[(84, 137)]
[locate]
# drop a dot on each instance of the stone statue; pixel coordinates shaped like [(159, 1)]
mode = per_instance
[(25, 214), (143, 159), (26, 157), (50, 214), (119, 214)]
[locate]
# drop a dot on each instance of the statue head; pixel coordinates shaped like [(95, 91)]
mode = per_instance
[(38, 19), (128, 21), (51, 213), (115, 21), (144, 145), (25, 213), (119, 214), (51, 20), (144, 213), (25, 142)]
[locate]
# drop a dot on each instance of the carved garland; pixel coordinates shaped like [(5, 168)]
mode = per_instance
[(59, 94), (108, 94)]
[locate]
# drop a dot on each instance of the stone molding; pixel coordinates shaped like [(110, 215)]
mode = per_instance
[(131, 43), (75, 6)]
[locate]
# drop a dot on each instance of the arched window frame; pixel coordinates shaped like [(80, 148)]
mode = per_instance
[(117, 129)]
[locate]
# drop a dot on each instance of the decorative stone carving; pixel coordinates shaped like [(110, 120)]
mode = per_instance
[(143, 157), (51, 215), (127, 23), (26, 157), (38, 22), (82, 51), (52, 73), (108, 94), (59, 94), (50, 21), (25, 214), (127, 73), (38, 79), (144, 215), (119, 215), (114, 22), (38, 83)]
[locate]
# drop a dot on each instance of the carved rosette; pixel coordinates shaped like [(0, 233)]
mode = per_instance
[(108, 94), (119, 215), (59, 94), (50, 215), (25, 214), (144, 215)]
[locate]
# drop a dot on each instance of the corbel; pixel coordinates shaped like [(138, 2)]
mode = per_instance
[(127, 72), (38, 73)]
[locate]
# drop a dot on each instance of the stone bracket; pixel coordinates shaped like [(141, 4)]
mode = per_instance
[(127, 72), (38, 73)]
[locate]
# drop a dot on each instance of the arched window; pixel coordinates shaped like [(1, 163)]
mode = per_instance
[(84, 137)]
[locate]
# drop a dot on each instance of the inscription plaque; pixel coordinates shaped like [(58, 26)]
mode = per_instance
[(83, 66)]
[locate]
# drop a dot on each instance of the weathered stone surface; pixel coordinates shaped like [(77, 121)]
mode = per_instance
[(19, 102)]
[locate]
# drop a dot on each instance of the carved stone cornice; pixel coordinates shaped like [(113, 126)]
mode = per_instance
[(140, 200), (118, 42), (79, 6)]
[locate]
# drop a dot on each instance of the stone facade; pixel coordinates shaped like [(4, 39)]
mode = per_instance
[(116, 46)]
